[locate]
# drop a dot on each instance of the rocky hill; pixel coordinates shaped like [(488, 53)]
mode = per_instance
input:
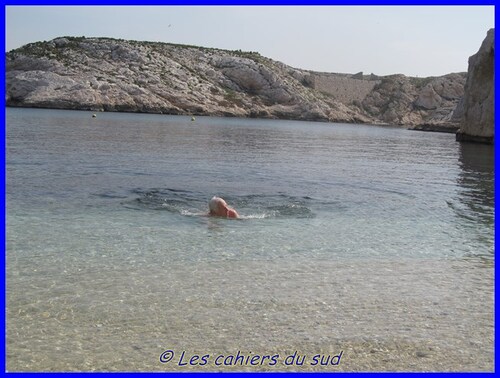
[(117, 75)]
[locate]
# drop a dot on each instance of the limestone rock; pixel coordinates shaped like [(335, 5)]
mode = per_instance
[(478, 104), (118, 75), (428, 98), (409, 101)]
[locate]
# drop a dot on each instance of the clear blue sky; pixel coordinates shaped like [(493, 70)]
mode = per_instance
[(416, 41)]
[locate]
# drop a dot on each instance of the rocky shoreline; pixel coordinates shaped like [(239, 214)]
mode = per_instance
[(438, 128), (104, 74)]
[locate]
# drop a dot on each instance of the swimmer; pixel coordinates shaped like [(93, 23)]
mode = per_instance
[(219, 208)]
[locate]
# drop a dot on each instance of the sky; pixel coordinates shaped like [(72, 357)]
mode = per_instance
[(413, 40)]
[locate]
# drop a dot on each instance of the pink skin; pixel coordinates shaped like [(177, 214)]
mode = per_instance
[(223, 210)]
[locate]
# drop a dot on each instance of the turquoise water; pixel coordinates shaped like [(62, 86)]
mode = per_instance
[(110, 251)]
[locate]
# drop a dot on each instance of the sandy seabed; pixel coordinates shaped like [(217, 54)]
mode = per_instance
[(383, 315)]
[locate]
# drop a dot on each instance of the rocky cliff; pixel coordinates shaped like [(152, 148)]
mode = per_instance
[(477, 123), (117, 75)]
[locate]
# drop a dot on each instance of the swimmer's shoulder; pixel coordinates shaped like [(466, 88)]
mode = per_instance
[(232, 214)]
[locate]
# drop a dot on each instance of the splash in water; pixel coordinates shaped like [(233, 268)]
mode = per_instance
[(189, 203)]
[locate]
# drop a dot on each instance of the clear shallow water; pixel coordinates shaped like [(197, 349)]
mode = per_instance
[(108, 241)]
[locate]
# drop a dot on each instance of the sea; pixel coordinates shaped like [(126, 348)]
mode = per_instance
[(358, 247)]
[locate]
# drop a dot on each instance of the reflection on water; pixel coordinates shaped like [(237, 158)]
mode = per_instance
[(475, 205), (476, 177)]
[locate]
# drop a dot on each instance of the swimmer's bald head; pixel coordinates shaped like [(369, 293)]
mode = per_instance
[(215, 204), (219, 207)]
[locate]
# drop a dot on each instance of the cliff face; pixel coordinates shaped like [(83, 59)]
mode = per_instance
[(117, 75), (478, 103)]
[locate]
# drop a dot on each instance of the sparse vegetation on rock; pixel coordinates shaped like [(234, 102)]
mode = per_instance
[(134, 76)]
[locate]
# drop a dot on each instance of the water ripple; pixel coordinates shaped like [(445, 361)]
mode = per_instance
[(249, 206)]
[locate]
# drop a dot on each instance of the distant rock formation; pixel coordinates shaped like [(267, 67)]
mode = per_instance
[(477, 124), (402, 100), (118, 75)]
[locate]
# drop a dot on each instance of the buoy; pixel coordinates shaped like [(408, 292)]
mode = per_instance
[(193, 119)]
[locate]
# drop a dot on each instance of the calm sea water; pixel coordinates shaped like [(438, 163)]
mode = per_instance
[(349, 234)]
